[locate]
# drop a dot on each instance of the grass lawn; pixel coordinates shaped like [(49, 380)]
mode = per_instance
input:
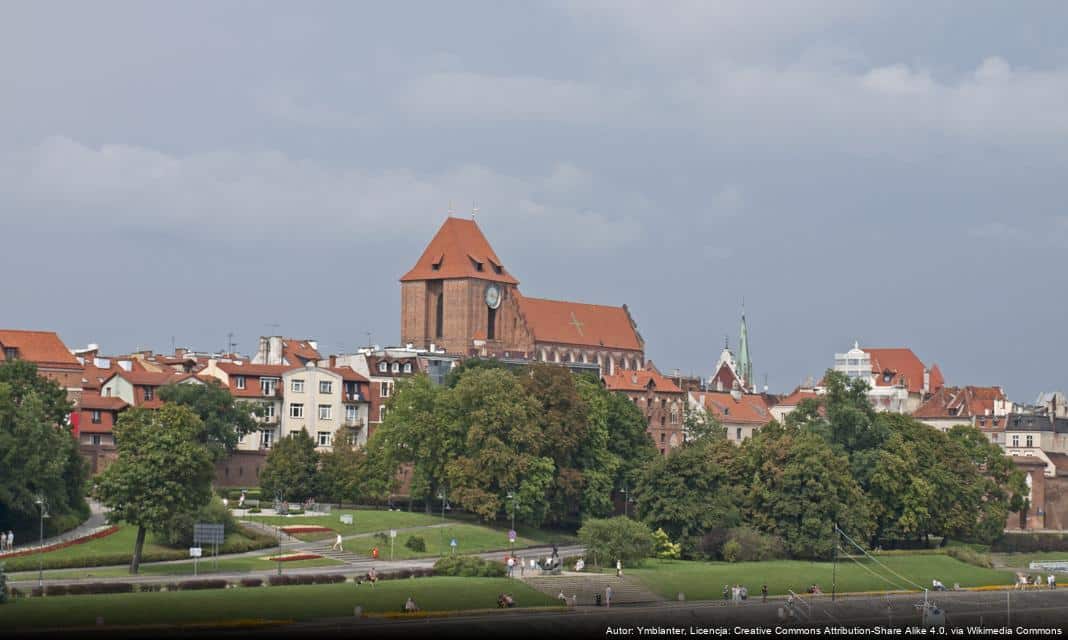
[(363, 521), (183, 569), (470, 538), (120, 543), (705, 580), (278, 603), (1022, 560)]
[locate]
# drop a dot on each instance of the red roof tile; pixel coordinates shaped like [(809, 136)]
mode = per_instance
[(349, 374), (796, 397), (40, 347), (578, 323), (956, 402), (299, 351), (150, 378), (95, 401), (459, 250), (256, 370), (902, 365), (749, 409), (630, 380)]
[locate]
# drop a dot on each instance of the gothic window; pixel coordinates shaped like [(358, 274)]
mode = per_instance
[(439, 315), (491, 324)]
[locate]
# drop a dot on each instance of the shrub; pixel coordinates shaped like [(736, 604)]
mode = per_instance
[(620, 538), (382, 537), (750, 545), (150, 588), (278, 581), (464, 566), (970, 557), (194, 585), (180, 531), (416, 543), (254, 510), (56, 590), (665, 549), (3, 584), (307, 578), (251, 582)]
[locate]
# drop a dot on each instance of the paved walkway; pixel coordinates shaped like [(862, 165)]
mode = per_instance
[(97, 521)]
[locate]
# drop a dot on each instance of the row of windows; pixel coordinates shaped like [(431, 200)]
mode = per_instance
[(385, 367), (1030, 441), (323, 438), (326, 411)]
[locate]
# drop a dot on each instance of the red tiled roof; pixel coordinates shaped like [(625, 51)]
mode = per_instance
[(256, 370), (624, 380), (796, 397), (956, 402), (299, 351), (749, 409), (578, 323), (456, 251), (349, 374), (150, 378), (901, 363), (40, 347), (95, 401)]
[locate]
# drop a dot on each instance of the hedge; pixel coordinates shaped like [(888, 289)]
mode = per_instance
[(61, 545), (88, 589), (305, 578), (251, 582), (469, 567), (193, 585), (1030, 542)]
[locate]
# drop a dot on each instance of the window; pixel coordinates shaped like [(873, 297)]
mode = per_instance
[(324, 438), (325, 412), (325, 386), (265, 438), (1030, 441), (491, 324), (381, 414), (11, 353), (661, 420), (96, 416), (351, 413), (407, 367), (297, 386), (439, 316), (267, 386), (239, 382), (296, 410), (738, 433), (94, 439), (1016, 441), (149, 393), (396, 367), (385, 388), (383, 367), (268, 411), (663, 436)]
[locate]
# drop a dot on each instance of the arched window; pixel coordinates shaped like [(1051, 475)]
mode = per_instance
[(383, 367), (396, 367), (407, 367)]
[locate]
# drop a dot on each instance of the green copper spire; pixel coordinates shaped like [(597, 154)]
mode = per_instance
[(745, 365)]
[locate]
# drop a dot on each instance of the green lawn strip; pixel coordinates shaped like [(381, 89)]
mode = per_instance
[(363, 521), (1023, 560), (705, 580), (470, 538), (278, 603), (116, 548), (180, 569)]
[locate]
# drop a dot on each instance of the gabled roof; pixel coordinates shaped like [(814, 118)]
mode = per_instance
[(348, 374), (639, 380), (256, 370), (299, 351), (796, 397), (578, 323), (40, 347), (96, 401), (459, 250), (903, 367), (956, 402), (150, 378), (748, 409)]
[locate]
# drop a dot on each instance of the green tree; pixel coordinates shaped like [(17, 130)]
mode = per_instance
[(1000, 486), (161, 472), (292, 468), (691, 491), (702, 425), (799, 489), (628, 439), (224, 420), (343, 471), (38, 454), (619, 538), (664, 548), (502, 447)]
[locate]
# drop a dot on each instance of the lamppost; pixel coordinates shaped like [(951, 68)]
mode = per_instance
[(513, 497), (443, 496), (277, 509), (43, 504), (627, 499)]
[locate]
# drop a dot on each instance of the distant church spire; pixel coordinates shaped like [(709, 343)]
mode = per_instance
[(745, 364)]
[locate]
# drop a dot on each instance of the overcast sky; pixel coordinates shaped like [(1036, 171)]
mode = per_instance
[(888, 172)]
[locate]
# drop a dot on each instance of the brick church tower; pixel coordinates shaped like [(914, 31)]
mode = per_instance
[(459, 294)]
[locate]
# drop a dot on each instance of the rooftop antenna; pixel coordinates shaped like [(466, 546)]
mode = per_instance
[(368, 339), (474, 210), (230, 344), (726, 341)]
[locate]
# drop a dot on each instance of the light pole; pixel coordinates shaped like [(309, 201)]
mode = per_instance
[(43, 504), (626, 501), (443, 496), (277, 509), (513, 497)]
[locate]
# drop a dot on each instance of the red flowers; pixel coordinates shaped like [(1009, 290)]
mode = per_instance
[(311, 528), (294, 556), (62, 545)]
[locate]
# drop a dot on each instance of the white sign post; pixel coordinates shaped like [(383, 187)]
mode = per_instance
[(392, 538), (346, 519), (195, 553)]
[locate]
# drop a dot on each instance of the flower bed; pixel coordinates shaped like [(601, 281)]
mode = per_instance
[(310, 528), (61, 545), (294, 556)]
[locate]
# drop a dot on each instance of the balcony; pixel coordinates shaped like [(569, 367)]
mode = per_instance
[(355, 421), (352, 397)]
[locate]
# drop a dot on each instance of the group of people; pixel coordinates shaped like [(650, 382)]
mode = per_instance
[(737, 593), (505, 601), (372, 577), (1024, 581), (7, 541)]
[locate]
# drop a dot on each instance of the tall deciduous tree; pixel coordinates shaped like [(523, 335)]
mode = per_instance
[(224, 420), (38, 454), (162, 470), (343, 471), (292, 468), (620, 538)]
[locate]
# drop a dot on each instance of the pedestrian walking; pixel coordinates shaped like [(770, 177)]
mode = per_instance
[(10, 540), (337, 544), (726, 590), (511, 566), (1051, 581), (619, 568), (608, 596), (522, 567), (763, 593)]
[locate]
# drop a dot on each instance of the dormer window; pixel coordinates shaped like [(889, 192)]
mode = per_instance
[(475, 263), (436, 265), (887, 376), (383, 367), (11, 353), (407, 367), (396, 367), (239, 382), (149, 394)]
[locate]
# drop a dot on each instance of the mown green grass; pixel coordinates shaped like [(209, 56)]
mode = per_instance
[(183, 569), (470, 538), (363, 521), (1022, 560), (276, 603), (705, 580)]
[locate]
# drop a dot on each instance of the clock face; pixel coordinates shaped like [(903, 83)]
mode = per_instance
[(493, 296)]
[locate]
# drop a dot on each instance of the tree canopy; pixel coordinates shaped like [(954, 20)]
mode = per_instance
[(292, 467), (224, 421)]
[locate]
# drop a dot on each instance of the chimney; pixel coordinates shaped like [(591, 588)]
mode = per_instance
[(179, 352), (333, 362), (274, 350), (314, 344)]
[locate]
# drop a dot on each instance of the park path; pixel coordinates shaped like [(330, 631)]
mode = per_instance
[(96, 522)]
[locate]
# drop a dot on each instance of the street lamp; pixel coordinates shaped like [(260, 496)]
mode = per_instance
[(627, 499), (277, 510), (443, 496), (43, 504), (513, 497)]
